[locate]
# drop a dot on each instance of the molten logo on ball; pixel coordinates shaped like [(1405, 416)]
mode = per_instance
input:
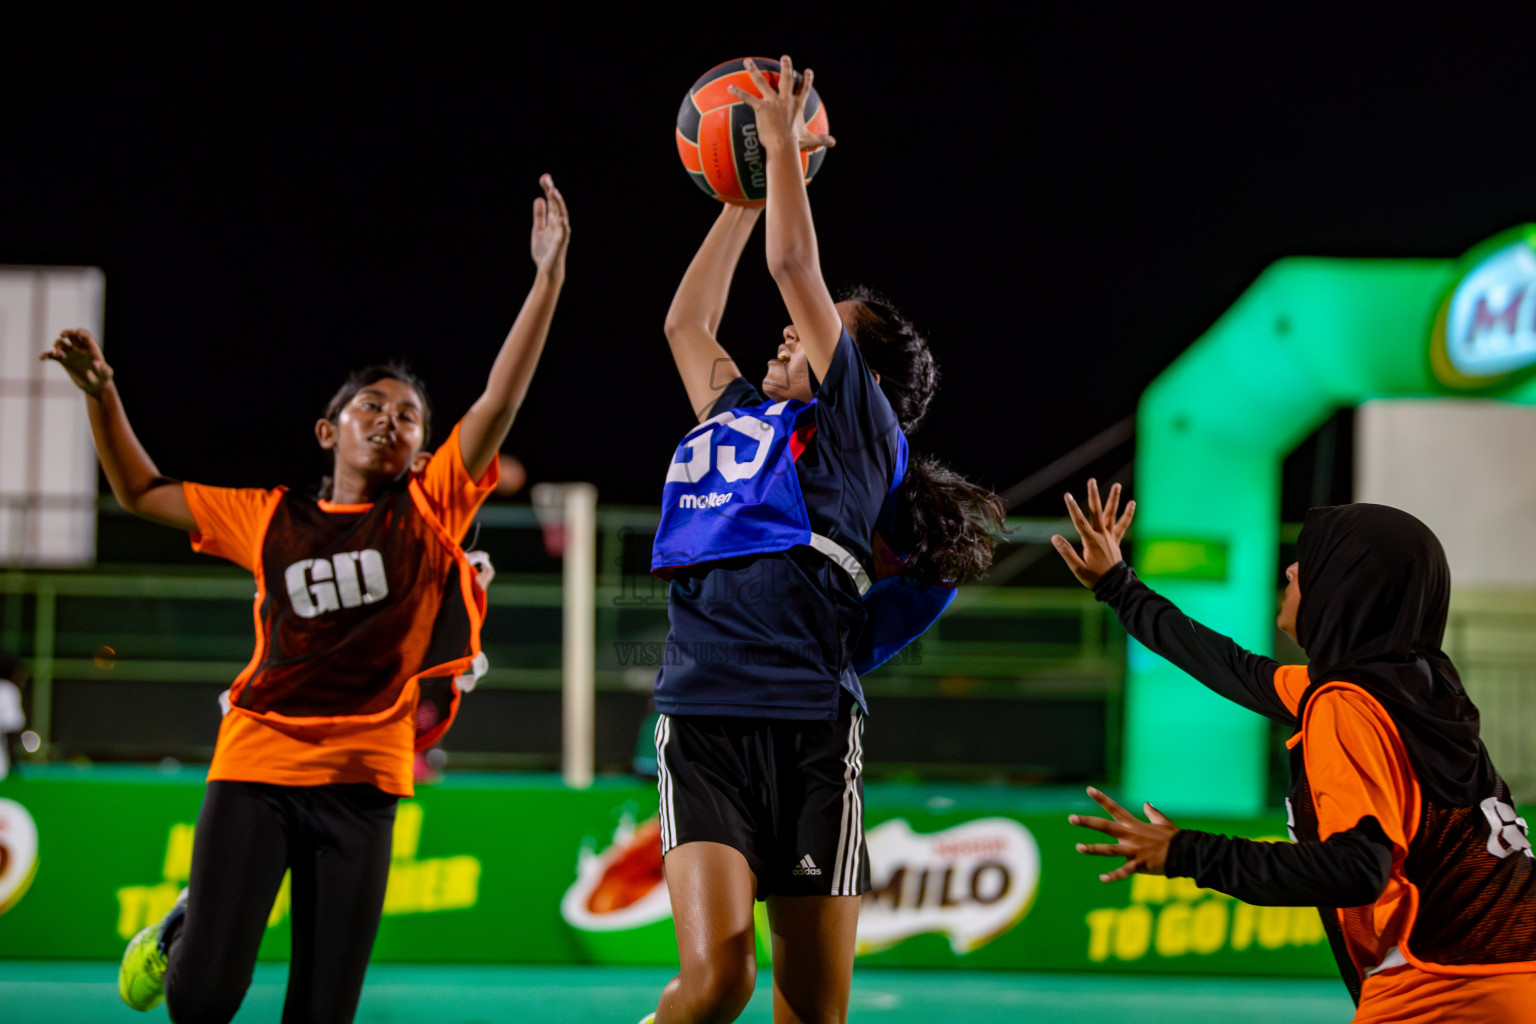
[(752, 156)]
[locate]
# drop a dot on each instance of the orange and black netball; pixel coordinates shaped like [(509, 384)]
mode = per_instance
[(717, 133)]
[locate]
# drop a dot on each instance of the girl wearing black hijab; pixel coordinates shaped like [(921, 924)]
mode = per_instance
[(1405, 837)]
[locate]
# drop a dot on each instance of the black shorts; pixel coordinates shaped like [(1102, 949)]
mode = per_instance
[(788, 794)]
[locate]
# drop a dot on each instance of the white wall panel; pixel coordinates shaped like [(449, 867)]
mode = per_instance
[(47, 462), (1467, 468)]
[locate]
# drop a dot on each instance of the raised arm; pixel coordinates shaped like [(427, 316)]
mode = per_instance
[(1215, 660), (793, 259), (693, 319), (484, 427), (136, 482)]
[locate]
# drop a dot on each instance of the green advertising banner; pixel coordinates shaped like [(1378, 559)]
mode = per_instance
[(522, 869)]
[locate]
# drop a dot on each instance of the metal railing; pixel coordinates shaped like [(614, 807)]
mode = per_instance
[(161, 624), (1491, 636)]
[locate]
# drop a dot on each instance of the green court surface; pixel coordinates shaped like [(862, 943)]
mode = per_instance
[(50, 992)]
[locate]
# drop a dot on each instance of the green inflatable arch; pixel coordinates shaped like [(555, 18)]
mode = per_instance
[(1310, 336)]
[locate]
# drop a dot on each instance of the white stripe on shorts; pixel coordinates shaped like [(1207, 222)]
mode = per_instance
[(666, 813), (850, 839)]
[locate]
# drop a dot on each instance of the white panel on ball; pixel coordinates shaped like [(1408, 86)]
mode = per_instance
[(47, 463)]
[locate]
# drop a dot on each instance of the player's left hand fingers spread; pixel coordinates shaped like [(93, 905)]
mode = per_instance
[(746, 97), (1124, 871), (1124, 522), (1109, 828), (803, 89), (1105, 801), (1111, 507), (758, 78), (1064, 547), (1084, 530)]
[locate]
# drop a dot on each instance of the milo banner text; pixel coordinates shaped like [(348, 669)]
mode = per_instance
[(521, 869)]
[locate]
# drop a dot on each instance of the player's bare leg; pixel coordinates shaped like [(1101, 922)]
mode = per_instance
[(712, 891), (813, 946)]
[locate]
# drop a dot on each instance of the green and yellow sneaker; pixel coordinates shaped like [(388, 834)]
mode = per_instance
[(649, 1018), (141, 976)]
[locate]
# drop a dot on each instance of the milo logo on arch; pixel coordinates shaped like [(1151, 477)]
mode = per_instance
[(970, 883)]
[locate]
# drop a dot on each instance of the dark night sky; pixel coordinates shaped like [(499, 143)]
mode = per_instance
[(1061, 204)]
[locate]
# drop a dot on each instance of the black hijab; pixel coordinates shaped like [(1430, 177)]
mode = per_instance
[(1375, 594)]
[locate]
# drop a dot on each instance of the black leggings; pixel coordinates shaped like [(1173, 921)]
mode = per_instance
[(336, 840)]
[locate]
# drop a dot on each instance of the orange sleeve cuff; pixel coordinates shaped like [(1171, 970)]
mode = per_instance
[(1291, 681)]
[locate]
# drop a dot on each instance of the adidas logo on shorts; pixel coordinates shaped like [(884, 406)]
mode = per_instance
[(805, 867)]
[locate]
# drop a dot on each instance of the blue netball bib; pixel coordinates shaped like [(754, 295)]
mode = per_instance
[(897, 610), (732, 489)]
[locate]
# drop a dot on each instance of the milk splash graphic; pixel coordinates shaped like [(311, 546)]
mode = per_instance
[(622, 887)]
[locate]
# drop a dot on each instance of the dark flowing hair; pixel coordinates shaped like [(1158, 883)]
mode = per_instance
[(359, 379), (954, 523)]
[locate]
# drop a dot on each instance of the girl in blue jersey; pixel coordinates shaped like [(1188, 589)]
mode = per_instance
[(779, 509)]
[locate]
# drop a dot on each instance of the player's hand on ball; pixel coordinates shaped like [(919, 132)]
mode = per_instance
[(1143, 844), (78, 353), (780, 113), (551, 229), (1101, 530)]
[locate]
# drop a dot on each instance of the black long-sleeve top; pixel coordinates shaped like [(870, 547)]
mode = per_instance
[(1348, 869)]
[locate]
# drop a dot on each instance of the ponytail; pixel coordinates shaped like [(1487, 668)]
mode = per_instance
[(954, 523)]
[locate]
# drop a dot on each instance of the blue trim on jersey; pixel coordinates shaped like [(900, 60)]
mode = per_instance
[(899, 609)]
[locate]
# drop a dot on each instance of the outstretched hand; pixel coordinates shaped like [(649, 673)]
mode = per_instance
[(76, 350), (551, 229), (1143, 844), (780, 113), (1101, 530)]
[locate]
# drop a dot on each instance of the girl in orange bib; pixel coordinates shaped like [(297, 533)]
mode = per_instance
[(1406, 837), (361, 593)]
